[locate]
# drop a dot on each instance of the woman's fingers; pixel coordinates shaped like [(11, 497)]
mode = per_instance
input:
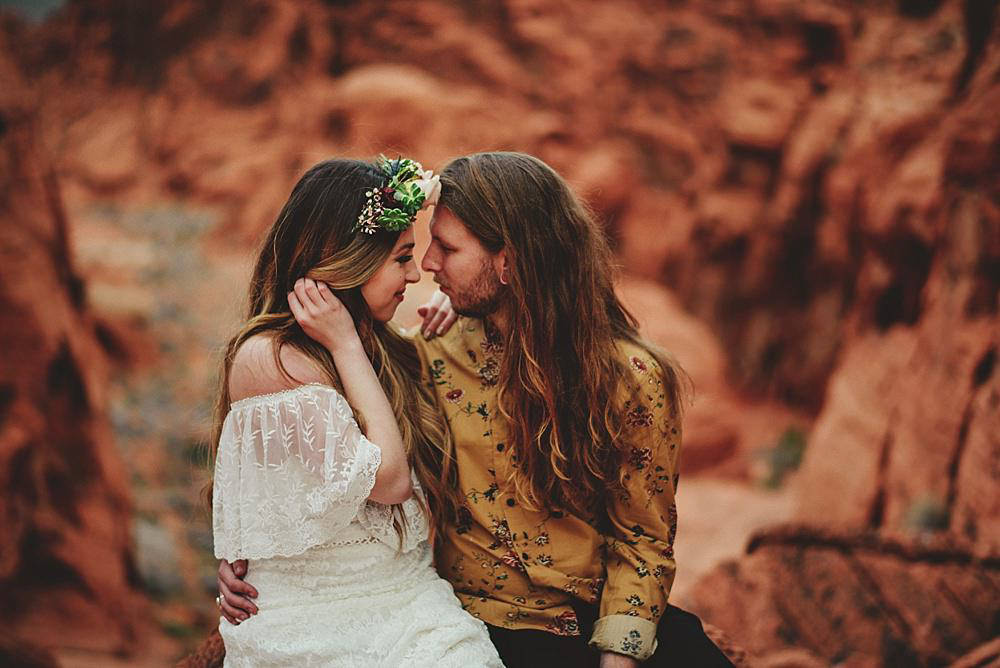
[(308, 294), (445, 317), (325, 293), (431, 313), (449, 320), (428, 312), (315, 296), (439, 299), (295, 306), (302, 292), (435, 323), (312, 290)]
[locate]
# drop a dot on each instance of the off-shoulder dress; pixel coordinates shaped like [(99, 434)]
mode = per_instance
[(337, 586)]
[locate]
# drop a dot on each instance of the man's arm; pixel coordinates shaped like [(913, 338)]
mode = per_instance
[(640, 565)]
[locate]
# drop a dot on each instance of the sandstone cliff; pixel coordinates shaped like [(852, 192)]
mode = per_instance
[(66, 561)]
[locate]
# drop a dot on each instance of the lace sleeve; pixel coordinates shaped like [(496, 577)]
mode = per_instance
[(292, 470)]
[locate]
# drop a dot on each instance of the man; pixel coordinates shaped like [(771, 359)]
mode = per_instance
[(566, 427)]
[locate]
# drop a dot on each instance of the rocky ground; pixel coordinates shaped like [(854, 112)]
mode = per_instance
[(805, 200)]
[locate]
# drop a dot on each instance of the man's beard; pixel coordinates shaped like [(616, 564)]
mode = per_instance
[(484, 296)]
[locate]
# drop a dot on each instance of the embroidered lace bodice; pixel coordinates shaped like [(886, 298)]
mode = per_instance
[(293, 471), (338, 587)]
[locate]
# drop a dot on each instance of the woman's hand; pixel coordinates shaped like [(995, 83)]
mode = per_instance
[(438, 315), (322, 316)]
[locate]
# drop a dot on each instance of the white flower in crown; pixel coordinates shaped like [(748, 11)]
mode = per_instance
[(430, 184)]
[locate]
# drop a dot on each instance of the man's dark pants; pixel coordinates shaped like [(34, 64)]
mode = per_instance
[(681, 642)]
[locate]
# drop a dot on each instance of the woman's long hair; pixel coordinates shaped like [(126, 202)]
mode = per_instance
[(313, 238), (560, 386)]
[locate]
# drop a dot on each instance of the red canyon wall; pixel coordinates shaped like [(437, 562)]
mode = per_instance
[(65, 557), (804, 197)]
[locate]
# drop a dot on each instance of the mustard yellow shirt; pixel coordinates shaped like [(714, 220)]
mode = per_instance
[(520, 569)]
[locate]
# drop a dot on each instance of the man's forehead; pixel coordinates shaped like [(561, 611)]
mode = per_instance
[(445, 222)]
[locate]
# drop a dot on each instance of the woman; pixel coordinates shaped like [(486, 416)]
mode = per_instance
[(318, 422)]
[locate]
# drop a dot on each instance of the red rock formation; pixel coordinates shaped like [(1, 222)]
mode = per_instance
[(906, 444), (65, 557), (854, 599), (986, 655), (209, 654), (915, 403)]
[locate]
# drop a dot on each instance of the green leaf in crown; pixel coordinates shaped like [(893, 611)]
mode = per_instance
[(394, 220), (410, 196), (402, 177), (399, 171)]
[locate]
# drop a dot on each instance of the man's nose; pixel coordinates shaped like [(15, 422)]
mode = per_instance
[(429, 263)]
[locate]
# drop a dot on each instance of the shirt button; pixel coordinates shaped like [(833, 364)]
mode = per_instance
[(510, 502)]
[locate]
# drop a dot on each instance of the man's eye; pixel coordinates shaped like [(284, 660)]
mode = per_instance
[(403, 259)]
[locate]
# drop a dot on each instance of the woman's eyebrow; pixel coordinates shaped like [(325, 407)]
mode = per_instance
[(405, 247)]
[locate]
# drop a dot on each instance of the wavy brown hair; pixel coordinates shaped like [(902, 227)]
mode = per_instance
[(561, 391), (313, 238)]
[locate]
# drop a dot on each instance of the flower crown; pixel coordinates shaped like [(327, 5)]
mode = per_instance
[(409, 188)]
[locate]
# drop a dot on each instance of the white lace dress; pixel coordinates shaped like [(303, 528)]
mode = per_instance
[(292, 478)]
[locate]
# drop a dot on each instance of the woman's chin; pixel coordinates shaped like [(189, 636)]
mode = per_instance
[(384, 316)]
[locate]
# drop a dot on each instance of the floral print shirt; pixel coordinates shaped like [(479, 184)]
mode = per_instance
[(522, 569)]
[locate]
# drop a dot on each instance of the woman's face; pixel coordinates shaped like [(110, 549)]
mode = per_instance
[(384, 291)]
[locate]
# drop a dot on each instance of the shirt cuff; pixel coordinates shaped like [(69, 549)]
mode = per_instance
[(625, 634)]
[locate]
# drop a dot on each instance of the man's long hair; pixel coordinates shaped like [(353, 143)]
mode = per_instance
[(560, 387), (313, 237)]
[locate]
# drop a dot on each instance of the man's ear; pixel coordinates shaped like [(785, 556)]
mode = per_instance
[(500, 266)]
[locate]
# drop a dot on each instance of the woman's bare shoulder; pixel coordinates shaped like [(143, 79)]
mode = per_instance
[(255, 370)]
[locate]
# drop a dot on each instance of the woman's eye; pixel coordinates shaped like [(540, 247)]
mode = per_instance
[(403, 259)]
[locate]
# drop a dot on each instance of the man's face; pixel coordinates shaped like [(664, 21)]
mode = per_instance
[(466, 271)]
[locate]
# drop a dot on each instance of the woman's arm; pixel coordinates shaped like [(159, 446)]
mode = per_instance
[(324, 318)]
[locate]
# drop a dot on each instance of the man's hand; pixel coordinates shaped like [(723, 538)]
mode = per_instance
[(612, 660), (234, 604), (437, 314)]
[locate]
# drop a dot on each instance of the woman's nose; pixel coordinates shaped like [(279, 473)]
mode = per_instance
[(412, 275)]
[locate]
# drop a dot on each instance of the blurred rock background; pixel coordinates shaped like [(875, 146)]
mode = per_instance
[(805, 201)]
